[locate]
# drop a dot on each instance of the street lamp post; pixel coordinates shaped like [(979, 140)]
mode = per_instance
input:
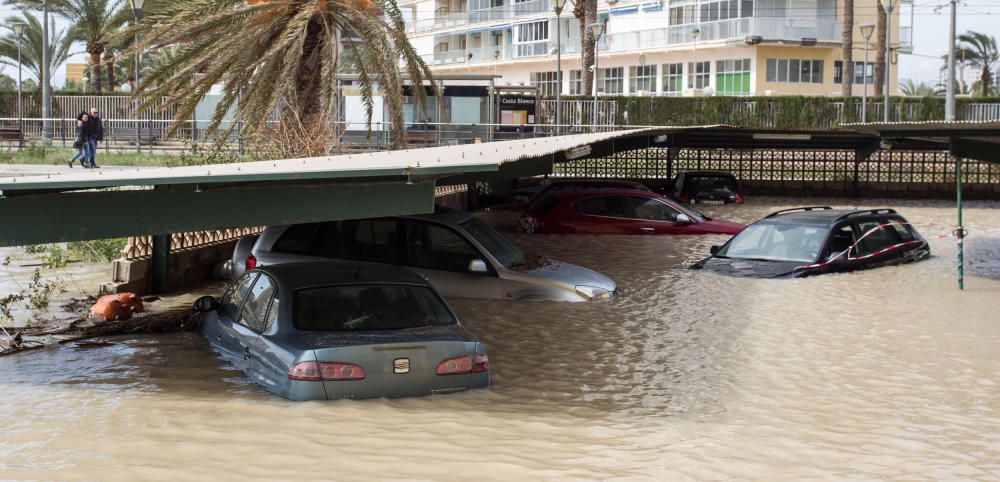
[(19, 31), (866, 32), (694, 58), (949, 95), (597, 28), (137, 14), (888, 58), (558, 6)]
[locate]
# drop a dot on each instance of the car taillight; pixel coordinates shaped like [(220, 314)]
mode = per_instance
[(684, 197), (326, 371), (739, 199), (251, 262), (461, 365)]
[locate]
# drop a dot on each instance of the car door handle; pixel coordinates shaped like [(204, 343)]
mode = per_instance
[(246, 353), (647, 230)]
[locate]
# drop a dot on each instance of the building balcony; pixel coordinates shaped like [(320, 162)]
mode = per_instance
[(494, 14)]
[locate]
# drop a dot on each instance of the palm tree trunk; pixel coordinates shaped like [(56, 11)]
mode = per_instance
[(847, 39), (586, 12), (95, 72), (881, 39), (984, 81), (109, 59)]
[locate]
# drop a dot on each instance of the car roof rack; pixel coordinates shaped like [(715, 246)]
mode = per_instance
[(862, 212), (805, 208)]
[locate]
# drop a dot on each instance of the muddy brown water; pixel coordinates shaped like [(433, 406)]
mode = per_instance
[(890, 373)]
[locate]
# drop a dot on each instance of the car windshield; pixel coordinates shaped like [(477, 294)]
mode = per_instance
[(710, 183), (777, 242), (368, 307), (507, 254)]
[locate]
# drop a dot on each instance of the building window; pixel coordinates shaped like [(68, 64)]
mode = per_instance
[(576, 83), (673, 79), (795, 71), (682, 15), (698, 74), (546, 82), (719, 10), (868, 77), (532, 39), (642, 77), (732, 77), (614, 80)]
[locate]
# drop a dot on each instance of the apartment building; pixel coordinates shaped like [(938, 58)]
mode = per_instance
[(656, 47)]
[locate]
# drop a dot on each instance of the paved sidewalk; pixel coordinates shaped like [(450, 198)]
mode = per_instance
[(12, 170)]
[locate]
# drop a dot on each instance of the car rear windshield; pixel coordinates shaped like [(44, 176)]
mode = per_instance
[(777, 242), (698, 184), (365, 307)]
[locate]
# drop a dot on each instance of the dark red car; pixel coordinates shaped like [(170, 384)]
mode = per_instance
[(616, 211)]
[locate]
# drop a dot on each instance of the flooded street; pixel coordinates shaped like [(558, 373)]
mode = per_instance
[(883, 374)]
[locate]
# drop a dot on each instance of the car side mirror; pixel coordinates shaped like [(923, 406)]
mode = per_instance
[(715, 249), (478, 266), (205, 304), (684, 219)]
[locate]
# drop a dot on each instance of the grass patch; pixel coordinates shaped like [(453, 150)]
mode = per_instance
[(56, 155)]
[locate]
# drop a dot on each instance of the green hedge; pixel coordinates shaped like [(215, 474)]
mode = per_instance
[(802, 112)]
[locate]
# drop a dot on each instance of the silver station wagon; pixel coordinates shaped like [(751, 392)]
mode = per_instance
[(460, 255)]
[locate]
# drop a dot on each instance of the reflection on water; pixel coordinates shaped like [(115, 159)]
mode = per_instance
[(885, 373)]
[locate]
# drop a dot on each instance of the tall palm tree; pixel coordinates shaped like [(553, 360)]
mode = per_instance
[(911, 88), (847, 40), (881, 37), (980, 50), (279, 53), (585, 12), (93, 21), (31, 46)]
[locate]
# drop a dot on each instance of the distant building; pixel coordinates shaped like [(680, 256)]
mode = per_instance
[(75, 72), (742, 47)]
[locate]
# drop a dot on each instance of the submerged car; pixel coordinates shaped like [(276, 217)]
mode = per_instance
[(815, 240), (707, 187), (616, 211), (335, 330), (458, 253)]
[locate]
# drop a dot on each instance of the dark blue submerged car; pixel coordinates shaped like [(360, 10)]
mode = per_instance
[(816, 240), (331, 330)]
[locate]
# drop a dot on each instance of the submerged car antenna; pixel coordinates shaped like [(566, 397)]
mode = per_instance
[(364, 252)]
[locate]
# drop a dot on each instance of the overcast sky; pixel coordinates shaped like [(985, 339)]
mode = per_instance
[(930, 36)]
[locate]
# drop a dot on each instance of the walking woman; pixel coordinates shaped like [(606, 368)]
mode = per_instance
[(82, 142)]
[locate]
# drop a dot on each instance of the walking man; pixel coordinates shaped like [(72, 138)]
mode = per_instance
[(96, 134)]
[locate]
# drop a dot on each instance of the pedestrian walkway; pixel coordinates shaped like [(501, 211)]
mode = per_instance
[(18, 170)]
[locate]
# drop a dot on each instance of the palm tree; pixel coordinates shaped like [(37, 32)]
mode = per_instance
[(585, 12), (881, 37), (847, 39), (93, 21), (910, 88), (31, 46), (268, 54), (980, 50)]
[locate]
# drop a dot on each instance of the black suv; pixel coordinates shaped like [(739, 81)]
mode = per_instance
[(815, 240)]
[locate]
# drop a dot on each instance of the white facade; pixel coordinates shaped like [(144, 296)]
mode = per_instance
[(650, 47)]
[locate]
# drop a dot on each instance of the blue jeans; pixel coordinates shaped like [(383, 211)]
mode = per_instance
[(82, 153), (92, 147)]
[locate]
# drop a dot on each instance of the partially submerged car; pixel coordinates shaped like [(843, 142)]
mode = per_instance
[(333, 330), (616, 211), (458, 253), (707, 187), (815, 240)]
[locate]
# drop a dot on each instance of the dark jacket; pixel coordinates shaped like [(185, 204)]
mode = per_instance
[(82, 134), (96, 128)]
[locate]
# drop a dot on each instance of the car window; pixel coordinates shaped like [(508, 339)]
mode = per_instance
[(297, 239), (368, 307), (777, 242), (875, 238), (541, 204), (272, 314), (233, 299), (653, 210), (903, 230), (369, 239), (437, 247), (502, 250), (841, 240), (601, 206), (254, 312)]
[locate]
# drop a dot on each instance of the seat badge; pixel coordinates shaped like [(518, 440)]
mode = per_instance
[(401, 365)]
